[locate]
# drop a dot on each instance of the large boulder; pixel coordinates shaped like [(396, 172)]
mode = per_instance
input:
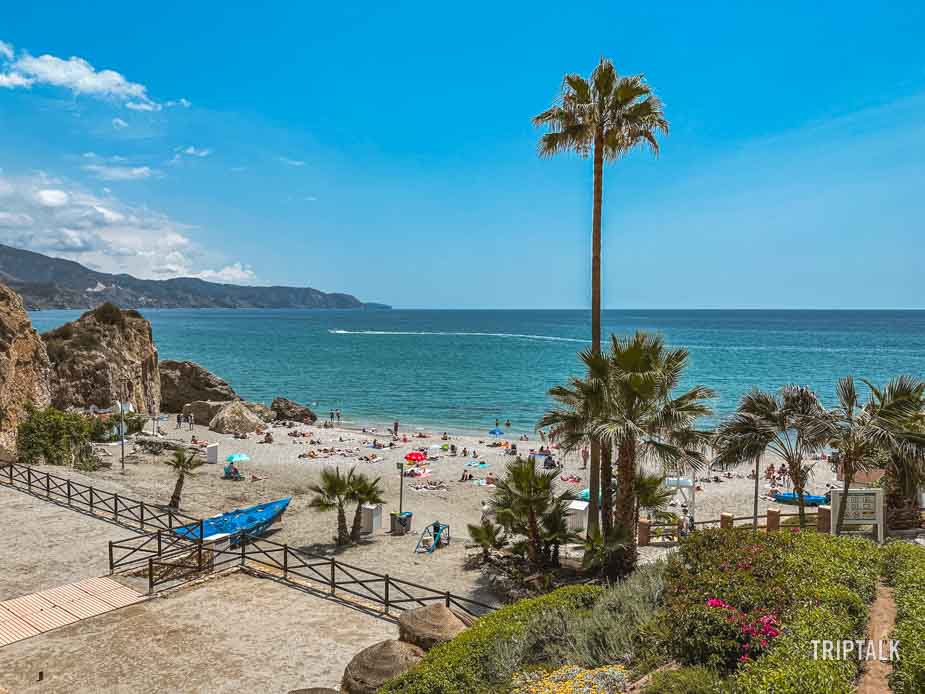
[(261, 410), (185, 381), (25, 370), (235, 418), (371, 667), (428, 626), (289, 410), (104, 357), (204, 410)]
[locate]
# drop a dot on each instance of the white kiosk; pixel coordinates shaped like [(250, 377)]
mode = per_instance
[(863, 506)]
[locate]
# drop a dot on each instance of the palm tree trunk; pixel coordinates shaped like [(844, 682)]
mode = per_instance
[(177, 491), (801, 507), (533, 541), (624, 516), (343, 538), (357, 520), (595, 474), (849, 478), (606, 489), (757, 471)]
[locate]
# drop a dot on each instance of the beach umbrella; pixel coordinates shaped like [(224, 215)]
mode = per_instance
[(496, 432), (415, 457), (238, 458)]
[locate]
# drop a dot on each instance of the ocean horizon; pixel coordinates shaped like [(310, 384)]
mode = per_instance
[(461, 369)]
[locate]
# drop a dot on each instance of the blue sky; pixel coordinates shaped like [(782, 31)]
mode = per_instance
[(387, 151)]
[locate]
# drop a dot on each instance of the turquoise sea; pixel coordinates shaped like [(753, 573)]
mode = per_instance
[(459, 370)]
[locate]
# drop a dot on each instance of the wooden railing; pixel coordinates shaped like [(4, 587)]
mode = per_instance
[(86, 498), (173, 562)]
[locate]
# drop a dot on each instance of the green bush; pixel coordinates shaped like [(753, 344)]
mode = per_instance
[(110, 314), (686, 680), (468, 662), (904, 566), (771, 596), (53, 437)]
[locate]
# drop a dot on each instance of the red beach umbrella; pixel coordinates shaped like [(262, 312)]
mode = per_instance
[(415, 457)]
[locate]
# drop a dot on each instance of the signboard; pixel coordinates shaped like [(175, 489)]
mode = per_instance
[(863, 506)]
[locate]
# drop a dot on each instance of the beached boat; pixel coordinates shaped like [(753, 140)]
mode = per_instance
[(254, 520), (808, 499)]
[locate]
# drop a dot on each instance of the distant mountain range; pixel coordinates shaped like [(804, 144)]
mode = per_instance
[(46, 283)]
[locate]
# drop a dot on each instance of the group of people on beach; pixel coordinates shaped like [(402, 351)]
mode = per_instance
[(185, 419)]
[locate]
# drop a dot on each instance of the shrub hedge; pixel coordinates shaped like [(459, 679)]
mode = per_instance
[(904, 567), (686, 680), (462, 665)]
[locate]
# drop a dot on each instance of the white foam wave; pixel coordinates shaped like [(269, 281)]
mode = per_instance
[(551, 338)]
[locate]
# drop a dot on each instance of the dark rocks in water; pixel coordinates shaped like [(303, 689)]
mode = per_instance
[(184, 382), (290, 410)]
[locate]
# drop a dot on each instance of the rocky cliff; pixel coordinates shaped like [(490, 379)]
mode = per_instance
[(184, 382), (105, 356), (25, 370)]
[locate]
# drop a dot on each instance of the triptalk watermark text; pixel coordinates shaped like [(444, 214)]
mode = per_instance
[(860, 649)]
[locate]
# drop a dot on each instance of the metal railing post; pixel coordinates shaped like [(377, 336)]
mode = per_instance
[(333, 569), (150, 575), (47, 485), (68, 486), (141, 507), (115, 507), (159, 550), (111, 567), (29, 479), (91, 499), (243, 548), (448, 599), (386, 593), (286, 562)]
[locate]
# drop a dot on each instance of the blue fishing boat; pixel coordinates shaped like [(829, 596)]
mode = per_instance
[(808, 499), (254, 520)]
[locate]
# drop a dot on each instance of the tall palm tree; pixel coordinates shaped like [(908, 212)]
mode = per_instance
[(606, 117), (641, 417), (363, 490), (783, 423), (332, 493), (183, 464)]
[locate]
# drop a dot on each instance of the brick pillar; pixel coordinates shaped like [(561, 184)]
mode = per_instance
[(773, 520), (824, 520), (725, 520), (644, 532)]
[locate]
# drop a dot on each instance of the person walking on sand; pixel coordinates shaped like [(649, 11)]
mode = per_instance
[(395, 427), (179, 420), (337, 415), (192, 420), (584, 458)]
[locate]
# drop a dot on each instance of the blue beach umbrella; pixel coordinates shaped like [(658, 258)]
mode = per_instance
[(238, 458), (496, 433)]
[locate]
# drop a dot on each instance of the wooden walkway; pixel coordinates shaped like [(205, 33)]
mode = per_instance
[(31, 615)]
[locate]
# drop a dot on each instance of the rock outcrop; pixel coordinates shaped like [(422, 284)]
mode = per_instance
[(426, 627), (25, 370), (289, 410), (261, 410), (235, 418), (183, 382), (373, 666), (204, 410), (105, 356)]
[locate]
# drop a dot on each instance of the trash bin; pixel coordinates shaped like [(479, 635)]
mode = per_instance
[(400, 523), (371, 518)]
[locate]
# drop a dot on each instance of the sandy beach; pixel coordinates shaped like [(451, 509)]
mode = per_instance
[(276, 470)]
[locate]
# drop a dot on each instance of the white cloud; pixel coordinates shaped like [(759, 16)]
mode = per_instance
[(105, 233), (12, 80), (52, 198), (143, 106), (118, 123), (6, 50), (193, 152), (184, 103), (11, 220), (233, 273), (292, 162), (120, 173)]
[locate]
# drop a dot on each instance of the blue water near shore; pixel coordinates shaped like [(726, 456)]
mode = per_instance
[(459, 370)]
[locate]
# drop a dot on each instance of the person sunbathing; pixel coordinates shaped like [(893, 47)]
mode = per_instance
[(466, 476), (490, 479)]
